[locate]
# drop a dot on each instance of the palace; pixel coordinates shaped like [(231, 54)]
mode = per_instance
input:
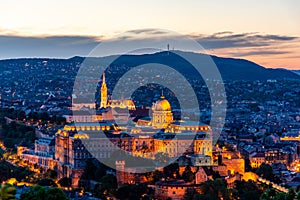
[(159, 133), (148, 136)]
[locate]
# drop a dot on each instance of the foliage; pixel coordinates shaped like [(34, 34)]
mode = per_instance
[(133, 192), (154, 176), (271, 194), (65, 182), (93, 170), (190, 193), (246, 190), (171, 170), (7, 192), (47, 182), (14, 133), (10, 171), (40, 193), (214, 189), (50, 174), (34, 193), (108, 185), (265, 171), (188, 175)]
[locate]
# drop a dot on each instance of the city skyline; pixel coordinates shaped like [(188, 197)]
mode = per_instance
[(263, 32)]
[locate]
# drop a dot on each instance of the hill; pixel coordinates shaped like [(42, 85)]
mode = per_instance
[(230, 68)]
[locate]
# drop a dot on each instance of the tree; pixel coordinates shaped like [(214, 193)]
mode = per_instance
[(266, 172), (188, 175), (35, 193), (99, 173), (298, 196), (291, 194), (40, 193), (90, 169), (214, 189), (271, 194), (7, 192), (65, 182), (47, 182), (190, 193), (171, 170), (55, 194), (108, 183), (132, 192), (51, 174), (155, 176), (246, 190)]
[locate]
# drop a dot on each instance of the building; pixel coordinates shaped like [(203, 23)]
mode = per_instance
[(174, 189), (103, 99), (42, 154), (77, 142), (120, 103), (256, 159), (276, 155), (162, 115)]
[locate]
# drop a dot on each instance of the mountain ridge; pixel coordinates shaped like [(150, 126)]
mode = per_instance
[(229, 68)]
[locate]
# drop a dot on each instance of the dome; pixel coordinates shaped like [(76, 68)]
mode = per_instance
[(162, 105)]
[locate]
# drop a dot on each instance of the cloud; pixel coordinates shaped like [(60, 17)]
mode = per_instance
[(148, 31), (141, 34), (52, 46), (260, 52), (229, 39), (224, 43)]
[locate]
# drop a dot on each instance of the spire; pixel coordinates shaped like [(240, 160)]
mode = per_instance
[(103, 102), (162, 94), (103, 79)]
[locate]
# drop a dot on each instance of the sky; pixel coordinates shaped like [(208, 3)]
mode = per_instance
[(266, 32)]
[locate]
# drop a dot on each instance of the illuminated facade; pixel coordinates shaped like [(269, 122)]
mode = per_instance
[(42, 155), (105, 102), (70, 155), (82, 140), (162, 115), (256, 159)]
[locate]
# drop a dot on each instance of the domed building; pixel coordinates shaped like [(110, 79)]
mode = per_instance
[(162, 115)]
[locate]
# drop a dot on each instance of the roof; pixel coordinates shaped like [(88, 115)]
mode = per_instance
[(258, 155), (174, 183), (162, 105), (23, 144), (188, 123), (100, 123)]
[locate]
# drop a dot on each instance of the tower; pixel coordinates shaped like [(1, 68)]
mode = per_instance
[(120, 171), (162, 115), (103, 102)]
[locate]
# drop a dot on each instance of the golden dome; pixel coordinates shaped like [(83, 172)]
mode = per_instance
[(162, 105)]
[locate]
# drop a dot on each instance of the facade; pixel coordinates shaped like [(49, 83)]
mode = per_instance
[(105, 102), (42, 155), (256, 159), (71, 155), (172, 189), (276, 155), (103, 99), (162, 115), (84, 139)]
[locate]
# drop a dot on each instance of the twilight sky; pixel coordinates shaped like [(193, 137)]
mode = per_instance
[(266, 32)]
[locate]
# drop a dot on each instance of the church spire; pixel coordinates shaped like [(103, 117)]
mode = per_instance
[(103, 79), (103, 103)]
